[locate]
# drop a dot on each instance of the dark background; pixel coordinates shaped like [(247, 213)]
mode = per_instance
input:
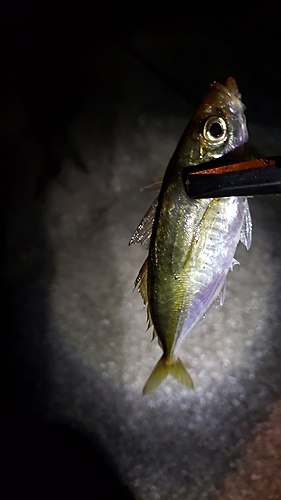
[(48, 67)]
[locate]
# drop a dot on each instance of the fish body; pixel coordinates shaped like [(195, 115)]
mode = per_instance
[(192, 242)]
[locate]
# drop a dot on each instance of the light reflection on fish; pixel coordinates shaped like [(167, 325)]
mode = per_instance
[(192, 242)]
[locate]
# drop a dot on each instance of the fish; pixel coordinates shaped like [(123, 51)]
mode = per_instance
[(191, 242)]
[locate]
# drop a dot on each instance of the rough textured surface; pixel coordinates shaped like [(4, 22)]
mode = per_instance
[(80, 353), (259, 470), (174, 442)]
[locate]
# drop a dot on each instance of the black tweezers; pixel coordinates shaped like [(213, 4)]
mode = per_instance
[(246, 178)]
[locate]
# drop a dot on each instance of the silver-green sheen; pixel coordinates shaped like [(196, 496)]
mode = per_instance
[(192, 242)]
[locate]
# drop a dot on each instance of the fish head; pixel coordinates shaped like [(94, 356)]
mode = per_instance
[(217, 127)]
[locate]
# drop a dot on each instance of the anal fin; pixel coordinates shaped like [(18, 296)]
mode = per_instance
[(222, 294), (234, 262)]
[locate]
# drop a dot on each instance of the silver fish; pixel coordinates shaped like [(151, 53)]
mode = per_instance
[(192, 242)]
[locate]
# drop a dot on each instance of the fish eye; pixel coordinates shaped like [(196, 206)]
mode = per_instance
[(215, 130)]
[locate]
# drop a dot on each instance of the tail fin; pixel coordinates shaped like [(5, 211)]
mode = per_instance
[(163, 368)]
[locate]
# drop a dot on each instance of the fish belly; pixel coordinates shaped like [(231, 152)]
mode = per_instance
[(209, 259)]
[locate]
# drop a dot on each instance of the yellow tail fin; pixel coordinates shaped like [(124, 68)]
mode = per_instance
[(163, 368)]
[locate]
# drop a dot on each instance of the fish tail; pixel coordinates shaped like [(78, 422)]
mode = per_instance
[(164, 368)]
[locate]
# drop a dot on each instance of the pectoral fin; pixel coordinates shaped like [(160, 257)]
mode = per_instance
[(165, 367), (246, 231), (156, 186)]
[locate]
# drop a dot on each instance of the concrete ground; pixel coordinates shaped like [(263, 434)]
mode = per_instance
[(78, 354)]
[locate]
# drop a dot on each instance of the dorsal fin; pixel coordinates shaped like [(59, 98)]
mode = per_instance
[(141, 284), (143, 232)]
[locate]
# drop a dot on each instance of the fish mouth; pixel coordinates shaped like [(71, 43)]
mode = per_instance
[(228, 97), (232, 86)]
